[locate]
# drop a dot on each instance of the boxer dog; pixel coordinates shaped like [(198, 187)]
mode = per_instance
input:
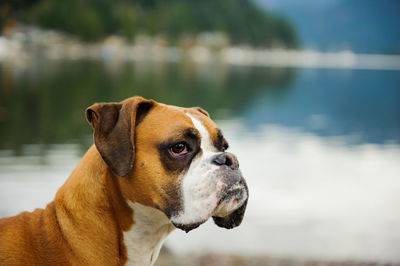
[(153, 168)]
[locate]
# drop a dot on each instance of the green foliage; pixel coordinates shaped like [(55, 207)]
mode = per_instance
[(242, 20), (73, 16)]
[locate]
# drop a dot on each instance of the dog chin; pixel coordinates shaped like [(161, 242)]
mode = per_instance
[(187, 227), (228, 213), (232, 206)]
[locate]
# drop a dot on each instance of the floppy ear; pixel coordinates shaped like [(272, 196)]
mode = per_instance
[(232, 220), (114, 131)]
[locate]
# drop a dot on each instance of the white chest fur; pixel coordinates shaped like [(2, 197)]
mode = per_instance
[(144, 240)]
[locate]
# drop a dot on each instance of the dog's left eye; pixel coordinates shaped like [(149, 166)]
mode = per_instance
[(179, 149)]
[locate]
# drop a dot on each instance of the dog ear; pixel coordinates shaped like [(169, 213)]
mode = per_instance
[(201, 110), (114, 127), (232, 220)]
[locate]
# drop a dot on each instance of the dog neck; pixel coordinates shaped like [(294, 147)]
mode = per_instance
[(138, 230), (92, 213), (145, 238)]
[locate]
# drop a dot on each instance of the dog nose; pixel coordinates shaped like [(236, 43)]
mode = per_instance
[(228, 159)]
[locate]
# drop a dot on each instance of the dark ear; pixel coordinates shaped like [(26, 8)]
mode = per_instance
[(114, 131), (232, 220)]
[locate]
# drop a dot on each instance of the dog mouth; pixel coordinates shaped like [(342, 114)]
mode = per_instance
[(230, 200), (225, 201)]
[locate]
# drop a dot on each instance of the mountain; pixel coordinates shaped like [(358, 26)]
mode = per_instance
[(363, 26)]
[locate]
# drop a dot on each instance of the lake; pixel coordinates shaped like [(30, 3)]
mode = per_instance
[(320, 148)]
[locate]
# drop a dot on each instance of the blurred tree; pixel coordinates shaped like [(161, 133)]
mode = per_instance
[(9, 10), (241, 20)]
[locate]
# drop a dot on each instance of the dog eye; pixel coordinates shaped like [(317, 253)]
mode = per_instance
[(178, 149)]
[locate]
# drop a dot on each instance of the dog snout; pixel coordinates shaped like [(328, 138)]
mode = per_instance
[(234, 185), (227, 159)]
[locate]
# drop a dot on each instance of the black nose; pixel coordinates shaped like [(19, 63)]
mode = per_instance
[(228, 159)]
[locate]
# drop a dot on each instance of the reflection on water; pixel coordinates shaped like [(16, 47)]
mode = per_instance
[(319, 148), (358, 103), (45, 103)]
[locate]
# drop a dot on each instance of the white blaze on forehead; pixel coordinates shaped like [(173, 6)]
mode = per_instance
[(206, 142)]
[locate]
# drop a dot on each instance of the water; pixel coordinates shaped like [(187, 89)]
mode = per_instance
[(319, 147)]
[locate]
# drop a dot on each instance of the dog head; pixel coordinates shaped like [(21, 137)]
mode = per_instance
[(171, 158)]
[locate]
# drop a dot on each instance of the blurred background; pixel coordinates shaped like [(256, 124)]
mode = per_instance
[(307, 93)]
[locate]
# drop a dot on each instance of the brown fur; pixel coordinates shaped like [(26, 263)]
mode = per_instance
[(84, 225), (148, 179)]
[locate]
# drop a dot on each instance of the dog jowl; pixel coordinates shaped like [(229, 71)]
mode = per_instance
[(153, 168)]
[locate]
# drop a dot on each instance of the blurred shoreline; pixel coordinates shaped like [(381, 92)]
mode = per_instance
[(220, 259), (27, 43)]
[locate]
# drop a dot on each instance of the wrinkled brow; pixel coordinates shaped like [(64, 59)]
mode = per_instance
[(184, 134)]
